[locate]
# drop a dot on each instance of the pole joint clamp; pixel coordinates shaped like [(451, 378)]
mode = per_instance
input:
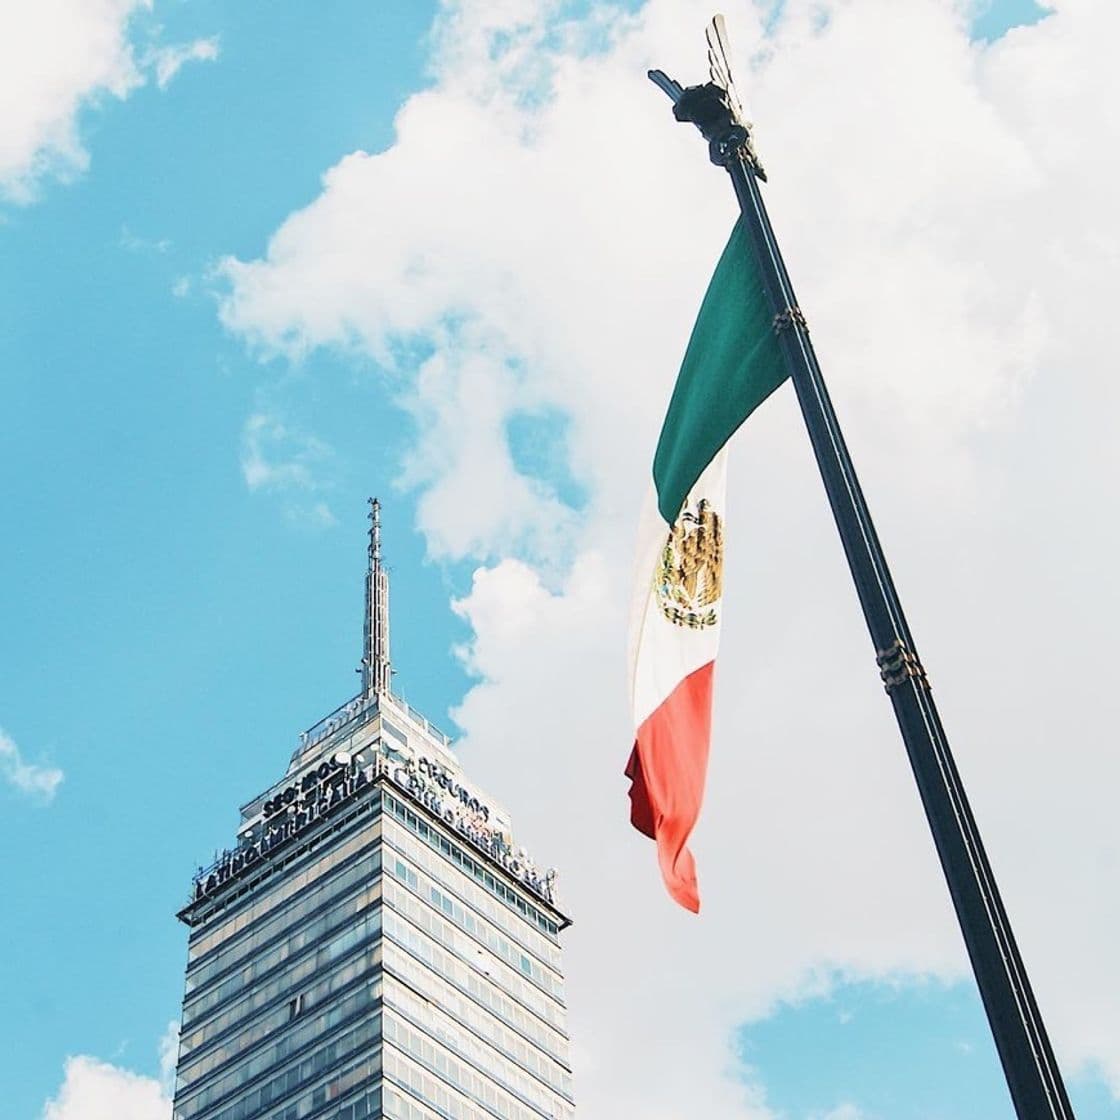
[(790, 318), (897, 665)]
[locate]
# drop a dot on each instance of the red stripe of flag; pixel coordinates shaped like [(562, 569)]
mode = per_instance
[(667, 769)]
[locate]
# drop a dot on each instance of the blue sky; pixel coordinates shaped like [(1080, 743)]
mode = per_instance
[(183, 546), (149, 649)]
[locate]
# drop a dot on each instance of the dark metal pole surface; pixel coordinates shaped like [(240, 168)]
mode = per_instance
[(1033, 1077)]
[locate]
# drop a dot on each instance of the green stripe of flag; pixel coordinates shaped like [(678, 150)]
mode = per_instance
[(732, 364)]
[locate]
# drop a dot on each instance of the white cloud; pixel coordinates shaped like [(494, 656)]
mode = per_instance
[(544, 230), (54, 56), (272, 458), (137, 244), (841, 1112), (277, 460), (168, 61), (58, 57), (40, 783), (169, 1057), (95, 1090), (315, 515)]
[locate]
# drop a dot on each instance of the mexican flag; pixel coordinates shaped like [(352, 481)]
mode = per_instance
[(732, 364)]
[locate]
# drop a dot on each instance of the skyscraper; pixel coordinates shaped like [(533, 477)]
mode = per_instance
[(374, 944)]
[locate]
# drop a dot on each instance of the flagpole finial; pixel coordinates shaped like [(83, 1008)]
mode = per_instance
[(714, 107), (376, 669)]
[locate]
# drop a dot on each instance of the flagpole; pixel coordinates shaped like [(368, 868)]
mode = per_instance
[(1032, 1074)]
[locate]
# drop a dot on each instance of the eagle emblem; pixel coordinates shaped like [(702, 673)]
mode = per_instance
[(688, 581)]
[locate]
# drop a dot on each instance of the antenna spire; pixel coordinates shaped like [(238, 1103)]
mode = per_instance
[(376, 670)]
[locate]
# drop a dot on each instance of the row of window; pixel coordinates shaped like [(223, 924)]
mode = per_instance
[(432, 1092), (459, 1074), (493, 883), (399, 1107), (239, 1015), (464, 1044), (425, 1091), (288, 1041), (475, 925), (292, 883), (417, 982), (420, 914), (478, 987), (317, 1103), (250, 941), (290, 1081), (448, 874), (368, 1104), (321, 955)]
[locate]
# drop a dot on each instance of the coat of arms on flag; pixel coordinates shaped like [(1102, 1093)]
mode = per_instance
[(689, 579)]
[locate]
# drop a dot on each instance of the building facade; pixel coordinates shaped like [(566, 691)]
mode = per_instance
[(374, 944)]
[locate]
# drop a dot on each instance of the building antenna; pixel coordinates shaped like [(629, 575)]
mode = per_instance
[(376, 670)]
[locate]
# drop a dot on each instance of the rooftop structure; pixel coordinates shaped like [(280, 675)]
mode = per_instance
[(374, 943)]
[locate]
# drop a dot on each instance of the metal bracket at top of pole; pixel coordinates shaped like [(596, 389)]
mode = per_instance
[(714, 112), (715, 107)]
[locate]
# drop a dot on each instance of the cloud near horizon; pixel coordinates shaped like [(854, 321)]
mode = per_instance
[(545, 231), (95, 1090)]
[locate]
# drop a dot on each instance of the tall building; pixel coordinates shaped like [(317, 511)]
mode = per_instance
[(375, 943)]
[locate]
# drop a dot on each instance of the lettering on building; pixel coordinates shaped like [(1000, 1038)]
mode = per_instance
[(326, 787)]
